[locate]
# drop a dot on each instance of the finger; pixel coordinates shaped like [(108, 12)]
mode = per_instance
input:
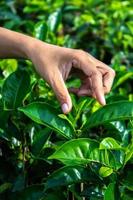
[(73, 90), (97, 87), (107, 82), (86, 87), (60, 90), (84, 90), (97, 84), (108, 78)]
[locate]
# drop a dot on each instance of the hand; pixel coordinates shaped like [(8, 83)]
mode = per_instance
[(54, 64)]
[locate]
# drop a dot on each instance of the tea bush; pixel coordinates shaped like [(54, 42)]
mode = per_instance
[(87, 154)]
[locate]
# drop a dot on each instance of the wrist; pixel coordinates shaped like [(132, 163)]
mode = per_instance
[(34, 47), (25, 45)]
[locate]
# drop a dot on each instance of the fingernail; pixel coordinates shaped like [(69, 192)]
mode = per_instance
[(103, 100), (64, 108)]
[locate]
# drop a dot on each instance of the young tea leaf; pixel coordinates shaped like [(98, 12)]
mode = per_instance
[(40, 31), (54, 20), (109, 143), (105, 171)]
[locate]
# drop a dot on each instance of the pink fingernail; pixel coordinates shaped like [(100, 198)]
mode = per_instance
[(103, 100), (64, 108)]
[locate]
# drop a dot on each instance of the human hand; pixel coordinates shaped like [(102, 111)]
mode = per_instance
[(54, 64)]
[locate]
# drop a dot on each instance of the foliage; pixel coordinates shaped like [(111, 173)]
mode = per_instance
[(88, 154)]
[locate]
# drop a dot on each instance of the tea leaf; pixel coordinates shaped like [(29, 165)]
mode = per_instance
[(47, 115), (105, 171), (15, 88), (83, 151), (68, 175), (120, 110), (109, 143)]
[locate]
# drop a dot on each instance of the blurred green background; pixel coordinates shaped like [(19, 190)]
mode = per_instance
[(102, 27)]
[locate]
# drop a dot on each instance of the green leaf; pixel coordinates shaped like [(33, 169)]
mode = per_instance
[(105, 171), (4, 187), (111, 158), (75, 152), (40, 31), (69, 175), (129, 152), (47, 115), (39, 140), (118, 131), (111, 192), (63, 116), (8, 66), (54, 20), (83, 151), (84, 103), (123, 78), (15, 88), (109, 143), (121, 110)]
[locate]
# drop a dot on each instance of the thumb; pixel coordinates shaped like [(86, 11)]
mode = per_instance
[(61, 92)]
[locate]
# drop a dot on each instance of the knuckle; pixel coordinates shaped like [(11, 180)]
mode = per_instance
[(94, 73), (94, 87), (61, 97), (80, 52)]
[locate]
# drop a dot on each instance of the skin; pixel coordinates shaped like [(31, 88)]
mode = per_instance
[(55, 64)]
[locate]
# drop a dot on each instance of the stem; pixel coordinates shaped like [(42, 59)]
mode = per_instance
[(73, 197), (82, 188)]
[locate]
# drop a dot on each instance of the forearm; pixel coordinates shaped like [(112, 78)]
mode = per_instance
[(13, 44)]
